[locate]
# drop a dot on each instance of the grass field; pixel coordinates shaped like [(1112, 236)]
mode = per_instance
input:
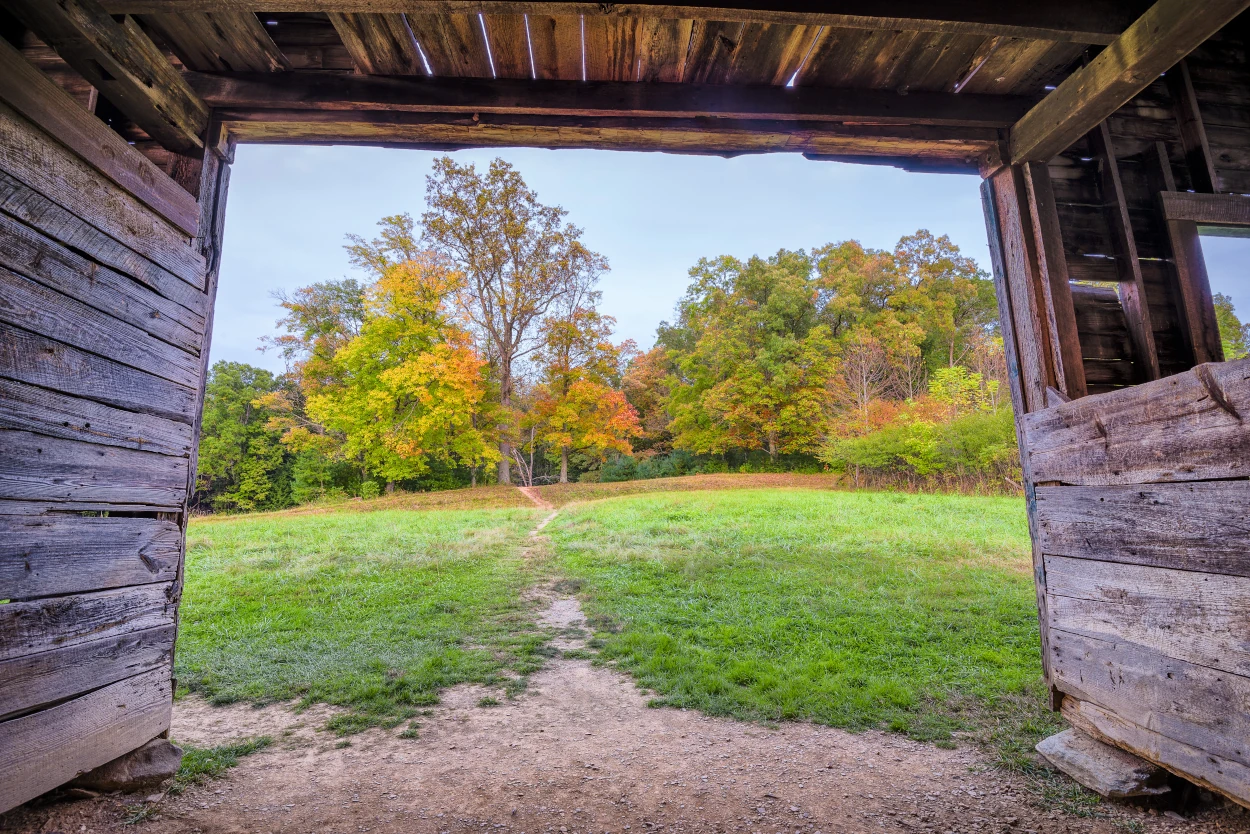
[(908, 612), (376, 611)]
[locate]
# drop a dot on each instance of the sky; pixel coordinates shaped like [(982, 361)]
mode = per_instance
[(651, 215)]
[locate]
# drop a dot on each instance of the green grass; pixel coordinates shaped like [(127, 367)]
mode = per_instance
[(199, 764), (374, 611), (913, 613)]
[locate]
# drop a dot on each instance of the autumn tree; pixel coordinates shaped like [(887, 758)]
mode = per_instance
[(579, 405)]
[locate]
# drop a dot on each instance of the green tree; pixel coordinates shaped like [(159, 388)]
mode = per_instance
[(1234, 335), (242, 464)]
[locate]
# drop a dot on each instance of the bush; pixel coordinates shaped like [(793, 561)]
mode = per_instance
[(370, 489)]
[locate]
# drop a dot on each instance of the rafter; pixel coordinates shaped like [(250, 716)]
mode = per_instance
[(120, 61), (467, 96), (1080, 21), (1166, 33)]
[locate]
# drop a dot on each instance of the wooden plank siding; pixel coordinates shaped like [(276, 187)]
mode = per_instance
[(105, 302)]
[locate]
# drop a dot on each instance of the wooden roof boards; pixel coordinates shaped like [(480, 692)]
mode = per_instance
[(984, 55)]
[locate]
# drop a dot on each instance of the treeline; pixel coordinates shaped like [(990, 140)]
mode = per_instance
[(472, 349)]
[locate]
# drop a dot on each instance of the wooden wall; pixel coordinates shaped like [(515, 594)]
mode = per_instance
[(107, 278), (1133, 433)]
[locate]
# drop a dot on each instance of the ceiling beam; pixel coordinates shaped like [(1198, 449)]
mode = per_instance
[(1166, 33), (120, 61), (468, 96), (1079, 21)]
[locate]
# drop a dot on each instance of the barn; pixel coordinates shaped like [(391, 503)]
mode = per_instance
[(1109, 135)]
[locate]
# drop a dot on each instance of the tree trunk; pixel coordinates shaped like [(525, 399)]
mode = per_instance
[(505, 454), (473, 476), (564, 464), (390, 487)]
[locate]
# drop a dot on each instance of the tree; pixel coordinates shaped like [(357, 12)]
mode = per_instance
[(520, 260), (408, 388), (241, 459), (951, 294), (1234, 335), (579, 407)]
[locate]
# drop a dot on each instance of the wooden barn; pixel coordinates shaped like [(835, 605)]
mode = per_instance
[(1109, 134)]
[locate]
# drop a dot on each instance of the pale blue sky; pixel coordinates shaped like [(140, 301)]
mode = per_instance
[(652, 215)]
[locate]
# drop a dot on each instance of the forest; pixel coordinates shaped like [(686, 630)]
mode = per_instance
[(473, 349)]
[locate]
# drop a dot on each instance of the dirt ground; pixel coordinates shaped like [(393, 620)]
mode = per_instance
[(581, 753)]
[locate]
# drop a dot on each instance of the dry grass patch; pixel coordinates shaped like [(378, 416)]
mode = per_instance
[(494, 497), (562, 494)]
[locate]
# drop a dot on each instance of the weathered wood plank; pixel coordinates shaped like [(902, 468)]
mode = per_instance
[(380, 44), (1200, 618), (557, 44), (36, 360), (1055, 288), (30, 156), (299, 91), (662, 49), (30, 254), (1165, 34), (27, 408), (1198, 323), (1093, 21), (1191, 526), (36, 97), (1186, 427), (30, 305), (1127, 263), (56, 622), (45, 678), (1207, 209), (121, 61), (75, 554), (452, 43), (47, 217), (40, 751), (41, 468), (509, 45), (1190, 703), (220, 41), (1227, 777)]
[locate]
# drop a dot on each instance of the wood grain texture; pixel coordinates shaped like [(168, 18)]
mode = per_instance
[(1206, 708), (1199, 618), (509, 45), (36, 360), (557, 44), (27, 408), (30, 156), (1093, 21), (36, 97), (56, 622), (1230, 778), (452, 43), (45, 678), (120, 61), (639, 100), (380, 44), (1197, 526), (1186, 427), (32, 255), (219, 41), (1193, 132), (48, 748), (38, 212), (1167, 32), (46, 556), (1207, 209), (40, 468), (34, 307)]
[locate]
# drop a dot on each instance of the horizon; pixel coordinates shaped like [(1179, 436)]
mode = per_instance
[(652, 215)]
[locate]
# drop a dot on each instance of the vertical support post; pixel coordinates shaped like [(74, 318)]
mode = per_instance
[(1127, 263), (1005, 203), (213, 186), (1202, 331)]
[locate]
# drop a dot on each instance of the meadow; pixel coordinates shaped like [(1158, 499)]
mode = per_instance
[(912, 613)]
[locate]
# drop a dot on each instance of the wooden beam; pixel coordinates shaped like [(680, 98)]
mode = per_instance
[(1127, 264), (1207, 209), (724, 137), (1166, 33), (1193, 133), (119, 60), (468, 96), (36, 97), (380, 44)]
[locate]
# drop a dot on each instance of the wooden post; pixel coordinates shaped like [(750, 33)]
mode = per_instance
[(1128, 266), (1193, 131)]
